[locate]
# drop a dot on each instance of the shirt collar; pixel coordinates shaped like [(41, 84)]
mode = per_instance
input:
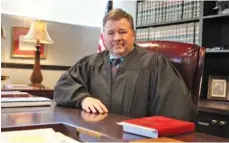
[(113, 57)]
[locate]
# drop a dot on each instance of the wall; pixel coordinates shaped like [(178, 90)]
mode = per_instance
[(71, 42), (127, 5)]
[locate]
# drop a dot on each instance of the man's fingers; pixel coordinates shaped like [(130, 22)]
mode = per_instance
[(104, 108), (92, 108), (98, 108), (93, 105), (87, 109)]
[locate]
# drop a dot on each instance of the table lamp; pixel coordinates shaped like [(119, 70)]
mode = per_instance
[(37, 34), (3, 75), (3, 36)]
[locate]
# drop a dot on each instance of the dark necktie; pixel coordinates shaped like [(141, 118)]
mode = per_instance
[(114, 66)]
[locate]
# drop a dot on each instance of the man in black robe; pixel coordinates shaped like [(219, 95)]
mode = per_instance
[(125, 79)]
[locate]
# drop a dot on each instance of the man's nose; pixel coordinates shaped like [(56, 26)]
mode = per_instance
[(117, 36)]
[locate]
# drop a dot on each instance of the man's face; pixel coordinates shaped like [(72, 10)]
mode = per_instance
[(119, 37)]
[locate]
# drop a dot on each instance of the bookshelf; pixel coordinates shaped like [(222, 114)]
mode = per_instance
[(217, 51), (168, 20), (195, 22)]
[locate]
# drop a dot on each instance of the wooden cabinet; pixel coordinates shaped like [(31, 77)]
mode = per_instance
[(213, 118)]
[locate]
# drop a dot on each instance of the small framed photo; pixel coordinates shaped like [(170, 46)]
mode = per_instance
[(218, 87), (22, 49)]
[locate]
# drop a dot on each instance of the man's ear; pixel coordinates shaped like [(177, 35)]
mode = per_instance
[(134, 35)]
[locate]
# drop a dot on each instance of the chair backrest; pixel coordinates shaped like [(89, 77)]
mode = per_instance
[(188, 59)]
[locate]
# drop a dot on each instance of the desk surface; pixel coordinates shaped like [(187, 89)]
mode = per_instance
[(105, 123)]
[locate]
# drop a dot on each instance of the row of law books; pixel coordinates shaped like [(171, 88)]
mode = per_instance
[(46, 135), (151, 12), (22, 99), (186, 33)]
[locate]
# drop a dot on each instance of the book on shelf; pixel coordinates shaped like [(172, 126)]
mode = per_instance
[(14, 94), (25, 102), (156, 126), (151, 12), (46, 135), (186, 33)]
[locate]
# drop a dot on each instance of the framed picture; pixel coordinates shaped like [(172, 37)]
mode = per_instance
[(21, 49), (218, 87)]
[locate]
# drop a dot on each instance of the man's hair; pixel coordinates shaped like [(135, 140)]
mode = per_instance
[(117, 14)]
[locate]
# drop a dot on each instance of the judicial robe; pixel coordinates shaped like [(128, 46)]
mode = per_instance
[(145, 84)]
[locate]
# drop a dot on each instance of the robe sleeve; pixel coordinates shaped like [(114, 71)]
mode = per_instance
[(169, 95), (72, 87)]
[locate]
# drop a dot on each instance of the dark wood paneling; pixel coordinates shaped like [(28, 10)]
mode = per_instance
[(215, 64), (208, 8), (215, 107), (30, 66), (213, 123), (215, 32)]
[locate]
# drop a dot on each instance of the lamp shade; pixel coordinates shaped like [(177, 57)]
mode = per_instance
[(38, 32)]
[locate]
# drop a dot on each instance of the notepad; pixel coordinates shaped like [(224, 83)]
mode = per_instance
[(46, 135)]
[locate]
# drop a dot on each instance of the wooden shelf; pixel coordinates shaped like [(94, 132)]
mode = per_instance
[(211, 106), (217, 51), (169, 23), (216, 16)]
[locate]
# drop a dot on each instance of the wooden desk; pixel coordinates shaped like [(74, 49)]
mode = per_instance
[(48, 93), (23, 118)]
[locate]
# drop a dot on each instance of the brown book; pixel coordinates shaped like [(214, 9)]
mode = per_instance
[(14, 94)]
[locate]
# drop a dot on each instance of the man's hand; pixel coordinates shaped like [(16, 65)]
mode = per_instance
[(90, 117), (93, 105)]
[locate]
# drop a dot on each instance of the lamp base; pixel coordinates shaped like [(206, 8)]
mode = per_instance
[(36, 77)]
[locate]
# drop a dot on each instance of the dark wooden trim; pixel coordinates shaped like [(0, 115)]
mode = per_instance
[(216, 107), (30, 66)]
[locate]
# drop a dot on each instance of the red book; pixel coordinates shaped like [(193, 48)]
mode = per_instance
[(14, 94), (157, 126)]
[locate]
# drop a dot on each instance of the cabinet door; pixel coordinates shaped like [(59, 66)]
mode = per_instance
[(213, 124)]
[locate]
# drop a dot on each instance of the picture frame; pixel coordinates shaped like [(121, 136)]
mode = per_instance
[(22, 49), (218, 87)]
